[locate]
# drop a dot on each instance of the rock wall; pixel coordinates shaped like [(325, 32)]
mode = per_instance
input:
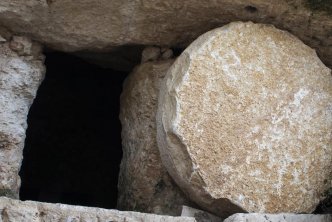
[(144, 184), (102, 24), (21, 72)]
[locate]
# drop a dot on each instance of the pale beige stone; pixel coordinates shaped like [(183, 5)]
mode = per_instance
[(31, 211), (2, 39), (151, 54), (144, 184), (279, 218), (156, 53), (166, 54), (199, 215), (103, 24), (21, 72), (244, 121), (21, 45)]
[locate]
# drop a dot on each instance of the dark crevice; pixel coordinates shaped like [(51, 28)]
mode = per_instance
[(73, 146), (251, 9), (177, 51)]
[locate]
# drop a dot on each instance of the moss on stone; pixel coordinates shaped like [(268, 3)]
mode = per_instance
[(320, 5)]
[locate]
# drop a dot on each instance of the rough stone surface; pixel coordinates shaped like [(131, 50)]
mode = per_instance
[(21, 72), (144, 184), (199, 215), (102, 24), (244, 121), (156, 53), (14, 210), (123, 58), (150, 54), (279, 218), (2, 39)]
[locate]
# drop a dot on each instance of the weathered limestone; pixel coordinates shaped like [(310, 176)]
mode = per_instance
[(144, 184), (199, 215), (123, 58), (21, 72), (279, 218), (14, 210), (156, 53), (244, 121), (102, 24)]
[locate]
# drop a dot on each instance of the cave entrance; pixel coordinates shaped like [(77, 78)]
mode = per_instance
[(73, 146)]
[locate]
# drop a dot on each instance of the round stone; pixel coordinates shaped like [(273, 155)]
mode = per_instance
[(245, 121)]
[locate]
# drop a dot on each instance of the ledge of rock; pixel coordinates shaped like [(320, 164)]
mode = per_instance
[(144, 184), (199, 215), (102, 24), (244, 121), (21, 72), (15, 210), (279, 218)]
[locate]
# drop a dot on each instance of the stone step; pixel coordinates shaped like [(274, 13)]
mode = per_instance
[(32, 211), (255, 217)]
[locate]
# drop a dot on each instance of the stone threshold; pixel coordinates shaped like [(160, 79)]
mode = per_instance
[(32, 211), (16, 210), (283, 217), (203, 216)]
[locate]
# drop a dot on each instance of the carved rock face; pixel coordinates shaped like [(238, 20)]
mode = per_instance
[(144, 184), (21, 72), (245, 119), (15, 210), (102, 24)]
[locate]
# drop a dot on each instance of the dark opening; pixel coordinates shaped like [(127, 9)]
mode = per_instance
[(251, 9), (73, 145)]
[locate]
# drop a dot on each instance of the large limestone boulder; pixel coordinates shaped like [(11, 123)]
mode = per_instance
[(144, 184), (32, 211), (21, 72), (102, 24), (245, 119)]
